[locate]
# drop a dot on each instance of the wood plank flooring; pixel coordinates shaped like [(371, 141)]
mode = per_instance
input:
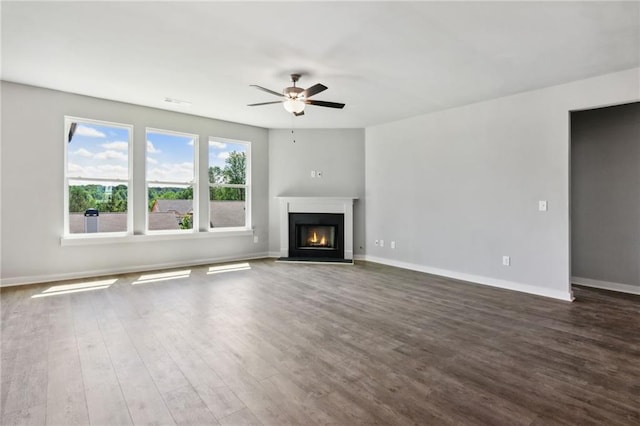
[(276, 344)]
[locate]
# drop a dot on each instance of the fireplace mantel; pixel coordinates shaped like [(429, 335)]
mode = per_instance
[(342, 205)]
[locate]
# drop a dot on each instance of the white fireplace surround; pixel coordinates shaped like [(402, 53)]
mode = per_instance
[(317, 205)]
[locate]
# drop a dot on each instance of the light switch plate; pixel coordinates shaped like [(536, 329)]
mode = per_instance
[(542, 205)]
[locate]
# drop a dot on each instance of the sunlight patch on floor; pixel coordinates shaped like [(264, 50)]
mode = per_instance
[(76, 288), (228, 268), (163, 276)]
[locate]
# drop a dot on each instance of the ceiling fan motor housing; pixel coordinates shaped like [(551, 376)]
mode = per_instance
[(293, 92)]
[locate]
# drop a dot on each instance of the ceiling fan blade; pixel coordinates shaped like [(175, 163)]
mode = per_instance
[(324, 103), (265, 90), (313, 90), (267, 103), (298, 113)]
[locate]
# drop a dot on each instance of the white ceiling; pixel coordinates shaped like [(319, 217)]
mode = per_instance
[(385, 60)]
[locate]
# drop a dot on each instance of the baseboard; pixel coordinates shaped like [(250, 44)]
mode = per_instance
[(606, 285), (35, 279), (477, 279)]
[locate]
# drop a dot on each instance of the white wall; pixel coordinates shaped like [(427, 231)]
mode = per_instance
[(32, 188), (459, 189), (338, 154)]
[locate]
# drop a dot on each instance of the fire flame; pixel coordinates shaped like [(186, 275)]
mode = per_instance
[(314, 239)]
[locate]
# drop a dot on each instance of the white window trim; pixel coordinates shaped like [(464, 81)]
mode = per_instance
[(193, 182), (248, 224), (129, 181), (121, 238)]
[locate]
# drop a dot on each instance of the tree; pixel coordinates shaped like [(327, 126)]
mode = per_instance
[(80, 199), (235, 168), (234, 172), (186, 222), (117, 201), (185, 194), (215, 174)]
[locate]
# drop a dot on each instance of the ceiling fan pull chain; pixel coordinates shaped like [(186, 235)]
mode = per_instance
[(293, 134)]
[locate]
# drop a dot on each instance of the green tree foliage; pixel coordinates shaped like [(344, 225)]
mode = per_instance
[(83, 197), (186, 222), (234, 172), (80, 199), (235, 167), (116, 202), (215, 175)]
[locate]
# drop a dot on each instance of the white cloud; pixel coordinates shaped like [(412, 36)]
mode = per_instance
[(117, 145), (112, 171), (83, 130), (111, 155), (190, 143), (176, 172), (216, 144), (152, 160), (74, 169), (223, 155), (102, 171), (151, 149), (82, 153)]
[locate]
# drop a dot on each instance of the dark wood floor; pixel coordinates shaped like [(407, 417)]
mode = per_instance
[(316, 344)]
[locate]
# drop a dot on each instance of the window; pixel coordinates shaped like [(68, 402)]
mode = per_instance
[(229, 183), (97, 177), (170, 180)]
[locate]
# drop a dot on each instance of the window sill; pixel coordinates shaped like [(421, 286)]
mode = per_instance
[(83, 239)]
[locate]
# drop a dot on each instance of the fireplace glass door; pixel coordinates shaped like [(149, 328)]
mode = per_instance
[(316, 235)]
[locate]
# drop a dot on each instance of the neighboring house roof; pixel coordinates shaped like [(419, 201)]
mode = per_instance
[(223, 214), (117, 222), (180, 207), (227, 213), (162, 221)]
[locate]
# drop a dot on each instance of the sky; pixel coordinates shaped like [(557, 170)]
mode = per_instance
[(170, 157), (98, 151), (101, 151)]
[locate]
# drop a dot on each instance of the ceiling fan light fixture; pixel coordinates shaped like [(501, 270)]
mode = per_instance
[(293, 105)]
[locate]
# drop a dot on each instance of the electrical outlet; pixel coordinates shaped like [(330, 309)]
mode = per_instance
[(542, 205), (506, 260), (255, 239), (377, 243), (313, 174), (393, 244), (381, 243)]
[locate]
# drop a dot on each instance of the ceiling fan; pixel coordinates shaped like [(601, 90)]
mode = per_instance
[(295, 98)]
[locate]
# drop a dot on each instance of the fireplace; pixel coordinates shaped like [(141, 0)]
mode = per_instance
[(316, 236), (331, 217)]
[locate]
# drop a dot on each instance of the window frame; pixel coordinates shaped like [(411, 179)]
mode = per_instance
[(247, 187), (68, 120), (193, 183)]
